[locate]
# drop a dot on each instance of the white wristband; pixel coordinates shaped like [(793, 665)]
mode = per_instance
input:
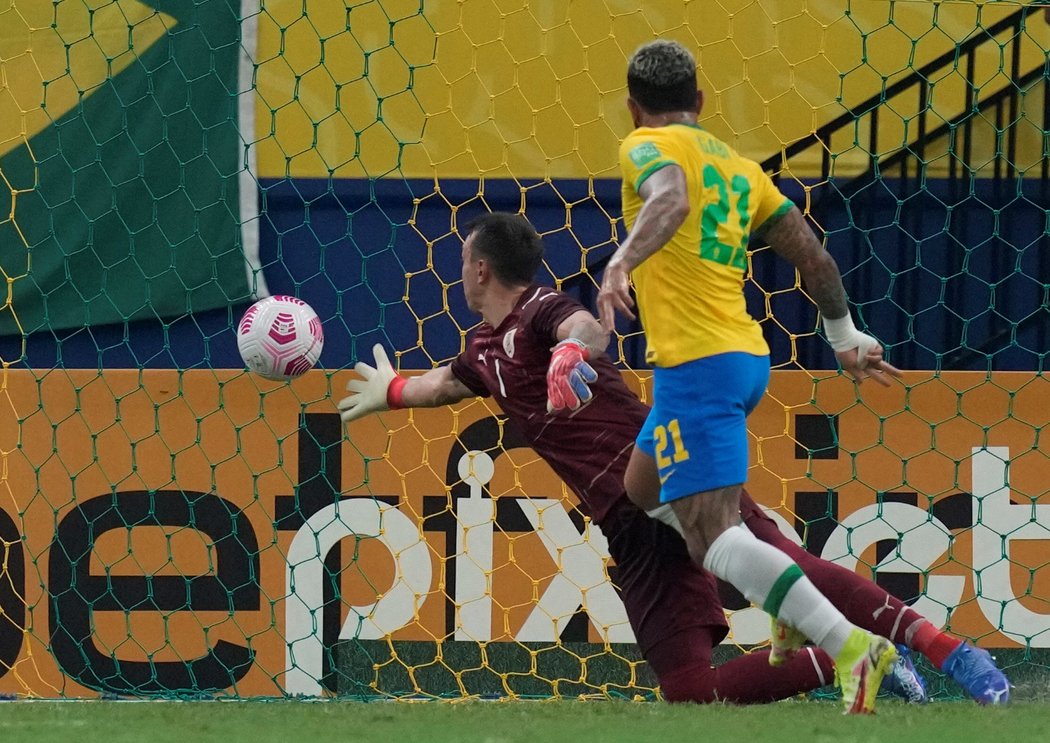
[(841, 332)]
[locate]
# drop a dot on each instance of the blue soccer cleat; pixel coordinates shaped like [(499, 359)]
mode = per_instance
[(974, 669), (904, 680)]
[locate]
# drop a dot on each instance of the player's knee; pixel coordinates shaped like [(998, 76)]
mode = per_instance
[(696, 685), (710, 513), (698, 538)]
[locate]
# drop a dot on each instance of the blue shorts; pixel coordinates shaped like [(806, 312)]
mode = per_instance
[(697, 429)]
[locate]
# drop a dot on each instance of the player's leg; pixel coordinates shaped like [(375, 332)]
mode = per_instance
[(770, 579), (868, 605), (903, 681), (747, 679), (677, 618), (698, 435), (862, 601), (839, 586)]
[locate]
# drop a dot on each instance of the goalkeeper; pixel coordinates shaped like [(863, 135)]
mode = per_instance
[(538, 350)]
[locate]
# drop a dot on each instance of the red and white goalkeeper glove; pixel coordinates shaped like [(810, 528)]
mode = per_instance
[(379, 389), (568, 376)]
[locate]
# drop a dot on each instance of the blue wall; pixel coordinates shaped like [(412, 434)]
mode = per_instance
[(954, 274)]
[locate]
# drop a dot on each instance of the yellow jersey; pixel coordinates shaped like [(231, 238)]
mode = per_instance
[(691, 291)]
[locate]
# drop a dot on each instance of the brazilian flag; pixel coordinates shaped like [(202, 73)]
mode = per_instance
[(138, 202)]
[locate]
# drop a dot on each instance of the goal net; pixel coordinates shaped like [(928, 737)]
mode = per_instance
[(174, 526)]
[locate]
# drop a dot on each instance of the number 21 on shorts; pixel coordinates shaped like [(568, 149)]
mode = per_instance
[(670, 434)]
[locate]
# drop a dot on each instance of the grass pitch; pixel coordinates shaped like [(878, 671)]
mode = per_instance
[(513, 722)]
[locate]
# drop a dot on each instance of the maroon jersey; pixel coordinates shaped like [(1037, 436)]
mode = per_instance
[(588, 448)]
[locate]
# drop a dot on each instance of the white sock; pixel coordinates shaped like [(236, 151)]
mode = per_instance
[(771, 580)]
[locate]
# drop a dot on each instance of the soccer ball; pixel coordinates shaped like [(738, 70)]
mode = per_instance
[(280, 337)]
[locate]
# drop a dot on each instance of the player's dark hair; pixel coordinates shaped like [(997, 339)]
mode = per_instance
[(661, 77), (510, 244)]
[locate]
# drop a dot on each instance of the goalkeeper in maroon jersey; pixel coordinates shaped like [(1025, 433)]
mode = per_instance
[(538, 350)]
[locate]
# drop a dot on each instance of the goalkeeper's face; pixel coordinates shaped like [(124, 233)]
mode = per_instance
[(472, 269)]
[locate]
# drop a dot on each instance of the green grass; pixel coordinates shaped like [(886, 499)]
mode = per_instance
[(512, 722)]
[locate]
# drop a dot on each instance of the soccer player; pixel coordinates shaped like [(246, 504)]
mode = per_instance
[(531, 353), (691, 205)]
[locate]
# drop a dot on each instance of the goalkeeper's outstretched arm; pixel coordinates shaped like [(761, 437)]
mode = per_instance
[(381, 388)]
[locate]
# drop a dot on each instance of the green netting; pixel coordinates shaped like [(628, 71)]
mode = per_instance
[(174, 526)]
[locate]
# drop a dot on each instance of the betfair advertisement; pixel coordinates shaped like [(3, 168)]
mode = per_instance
[(168, 530)]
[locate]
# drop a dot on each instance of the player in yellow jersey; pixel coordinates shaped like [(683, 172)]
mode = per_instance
[(691, 205)]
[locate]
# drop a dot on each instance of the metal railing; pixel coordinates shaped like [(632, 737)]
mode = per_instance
[(896, 182)]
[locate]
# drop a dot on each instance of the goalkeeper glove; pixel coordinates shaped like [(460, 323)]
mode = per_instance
[(568, 376), (380, 388)]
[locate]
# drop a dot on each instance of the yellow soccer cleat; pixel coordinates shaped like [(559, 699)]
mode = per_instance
[(785, 641), (859, 669)]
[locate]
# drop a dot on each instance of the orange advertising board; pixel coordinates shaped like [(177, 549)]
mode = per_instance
[(206, 531)]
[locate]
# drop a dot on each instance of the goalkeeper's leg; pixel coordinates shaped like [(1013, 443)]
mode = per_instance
[(868, 605), (747, 679), (676, 614), (711, 529), (862, 601)]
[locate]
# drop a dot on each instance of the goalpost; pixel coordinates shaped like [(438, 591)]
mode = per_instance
[(173, 526)]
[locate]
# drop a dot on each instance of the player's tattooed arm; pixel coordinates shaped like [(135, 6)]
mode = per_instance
[(665, 207), (581, 326), (792, 239), (859, 353)]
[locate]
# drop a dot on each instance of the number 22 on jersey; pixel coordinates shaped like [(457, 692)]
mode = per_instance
[(724, 236)]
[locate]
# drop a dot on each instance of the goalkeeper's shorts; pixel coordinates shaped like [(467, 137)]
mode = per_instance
[(697, 428)]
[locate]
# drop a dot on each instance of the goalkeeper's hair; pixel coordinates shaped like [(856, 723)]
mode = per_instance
[(510, 244), (661, 77)]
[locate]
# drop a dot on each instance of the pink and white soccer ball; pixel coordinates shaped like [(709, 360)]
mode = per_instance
[(280, 337)]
